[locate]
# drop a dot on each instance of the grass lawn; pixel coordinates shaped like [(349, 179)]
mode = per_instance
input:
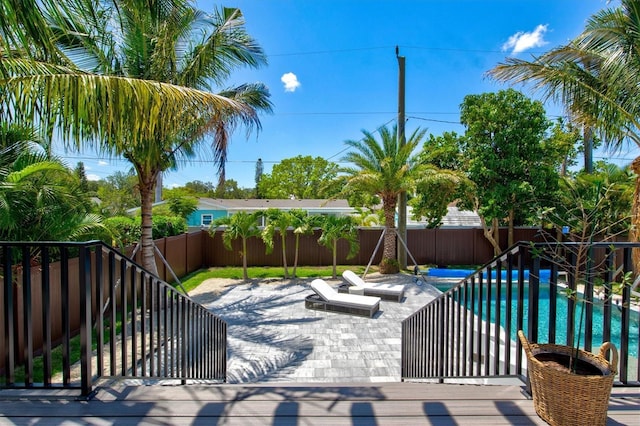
[(193, 280)]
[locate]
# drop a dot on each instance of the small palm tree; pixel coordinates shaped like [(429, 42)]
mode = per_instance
[(40, 198), (386, 169), (303, 224), (277, 221), (241, 225), (335, 228)]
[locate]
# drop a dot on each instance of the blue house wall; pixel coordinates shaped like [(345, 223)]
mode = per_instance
[(195, 218)]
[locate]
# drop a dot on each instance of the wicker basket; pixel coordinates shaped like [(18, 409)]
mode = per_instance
[(564, 398)]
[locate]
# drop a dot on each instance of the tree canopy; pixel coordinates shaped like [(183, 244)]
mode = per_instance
[(506, 159), (302, 177)]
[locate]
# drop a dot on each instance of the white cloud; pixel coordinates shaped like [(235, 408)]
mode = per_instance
[(93, 177), (522, 41), (102, 163), (290, 81)]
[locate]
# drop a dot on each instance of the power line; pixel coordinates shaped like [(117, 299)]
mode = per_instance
[(433, 120), (362, 49), (361, 139)]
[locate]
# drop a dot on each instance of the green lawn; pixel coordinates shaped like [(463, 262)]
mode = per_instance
[(194, 279)]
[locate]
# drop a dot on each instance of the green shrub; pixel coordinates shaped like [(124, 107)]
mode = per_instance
[(125, 229)]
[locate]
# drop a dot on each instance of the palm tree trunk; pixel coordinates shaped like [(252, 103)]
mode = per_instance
[(295, 257), (245, 275), (335, 257), (284, 255), (387, 265), (147, 185)]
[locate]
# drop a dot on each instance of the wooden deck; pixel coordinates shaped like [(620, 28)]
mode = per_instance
[(311, 404)]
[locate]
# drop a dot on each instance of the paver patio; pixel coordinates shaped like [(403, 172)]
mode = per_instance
[(272, 337)]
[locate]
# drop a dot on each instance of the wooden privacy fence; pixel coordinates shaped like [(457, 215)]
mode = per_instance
[(444, 246)]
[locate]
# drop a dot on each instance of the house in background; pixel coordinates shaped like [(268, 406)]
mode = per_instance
[(454, 218), (210, 209)]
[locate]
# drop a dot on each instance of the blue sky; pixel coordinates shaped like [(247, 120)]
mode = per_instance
[(333, 70)]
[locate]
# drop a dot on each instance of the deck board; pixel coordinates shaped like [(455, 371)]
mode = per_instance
[(389, 403)]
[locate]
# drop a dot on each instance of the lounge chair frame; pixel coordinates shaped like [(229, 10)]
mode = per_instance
[(328, 299), (371, 289), (313, 301)]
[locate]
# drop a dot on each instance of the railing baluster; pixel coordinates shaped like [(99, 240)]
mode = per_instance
[(124, 318), (99, 312), (134, 322), (65, 307), (45, 284), (85, 321), (113, 280), (498, 322)]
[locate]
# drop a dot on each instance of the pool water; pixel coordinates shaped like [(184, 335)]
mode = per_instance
[(561, 312)]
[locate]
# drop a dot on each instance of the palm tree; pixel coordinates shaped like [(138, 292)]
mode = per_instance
[(40, 198), (302, 223), (277, 221), (124, 74), (335, 228), (597, 77), (241, 225), (386, 169)]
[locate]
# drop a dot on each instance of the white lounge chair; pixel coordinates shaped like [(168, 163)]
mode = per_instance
[(385, 291), (327, 299)]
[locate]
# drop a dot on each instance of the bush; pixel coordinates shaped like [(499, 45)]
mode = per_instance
[(125, 230), (167, 226)]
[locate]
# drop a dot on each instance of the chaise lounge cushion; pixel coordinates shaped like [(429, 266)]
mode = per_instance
[(363, 304), (387, 291)]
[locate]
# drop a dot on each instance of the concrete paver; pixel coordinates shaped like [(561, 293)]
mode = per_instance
[(272, 337)]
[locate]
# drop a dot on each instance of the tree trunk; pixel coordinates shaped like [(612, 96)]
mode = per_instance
[(335, 257), (147, 185), (510, 234), (284, 254), (245, 275), (295, 257), (389, 265), (490, 234), (634, 233)]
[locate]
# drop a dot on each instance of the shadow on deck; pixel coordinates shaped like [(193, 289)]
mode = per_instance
[(295, 404)]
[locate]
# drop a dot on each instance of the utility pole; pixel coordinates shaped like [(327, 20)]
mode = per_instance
[(402, 198)]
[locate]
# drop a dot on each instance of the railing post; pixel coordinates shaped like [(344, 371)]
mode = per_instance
[(9, 324), (27, 318), (85, 321), (534, 299)]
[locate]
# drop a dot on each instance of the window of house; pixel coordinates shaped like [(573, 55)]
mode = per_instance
[(206, 219)]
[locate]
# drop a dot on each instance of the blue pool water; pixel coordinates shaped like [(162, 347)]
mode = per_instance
[(561, 308)]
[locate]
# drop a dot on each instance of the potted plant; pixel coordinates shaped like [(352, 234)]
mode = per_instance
[(571, 386)]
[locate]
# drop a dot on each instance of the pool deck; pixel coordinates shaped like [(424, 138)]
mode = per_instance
[(272, 337)]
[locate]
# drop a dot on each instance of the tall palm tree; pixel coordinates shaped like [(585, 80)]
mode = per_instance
[(386, 169), (597, 77), (141, 44)]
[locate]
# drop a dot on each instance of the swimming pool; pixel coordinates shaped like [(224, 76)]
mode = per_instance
[(561, 312)]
